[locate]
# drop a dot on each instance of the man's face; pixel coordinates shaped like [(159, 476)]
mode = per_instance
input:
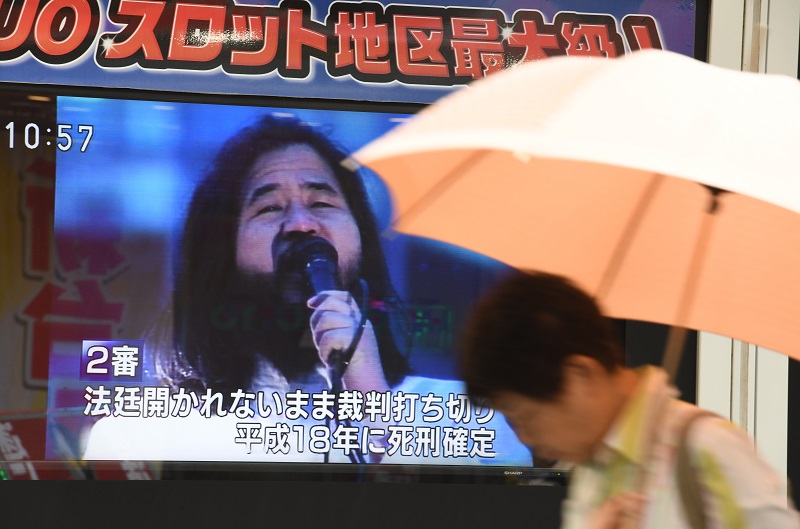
[(289, 191), (568, 428)]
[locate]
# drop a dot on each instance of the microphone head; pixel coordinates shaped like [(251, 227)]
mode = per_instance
[(314, 258)]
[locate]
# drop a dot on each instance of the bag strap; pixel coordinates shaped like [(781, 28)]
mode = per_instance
[(688, 482)]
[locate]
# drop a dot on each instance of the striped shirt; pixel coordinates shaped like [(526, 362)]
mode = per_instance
[(740, 491)]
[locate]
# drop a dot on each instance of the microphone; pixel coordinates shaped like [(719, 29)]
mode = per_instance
[(317, 261)]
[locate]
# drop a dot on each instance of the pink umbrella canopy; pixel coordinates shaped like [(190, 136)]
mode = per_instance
[(667, 188)]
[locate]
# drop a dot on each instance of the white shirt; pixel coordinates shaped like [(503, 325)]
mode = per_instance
[(740, 491)]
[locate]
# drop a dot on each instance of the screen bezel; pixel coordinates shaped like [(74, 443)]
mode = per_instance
[(276, 471)]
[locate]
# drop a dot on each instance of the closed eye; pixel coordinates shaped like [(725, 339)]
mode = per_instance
[(271, 208)]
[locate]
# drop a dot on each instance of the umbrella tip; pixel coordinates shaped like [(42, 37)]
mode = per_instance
[(350, 164)]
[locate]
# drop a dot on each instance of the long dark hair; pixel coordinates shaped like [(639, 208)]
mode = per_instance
[(201, 355)]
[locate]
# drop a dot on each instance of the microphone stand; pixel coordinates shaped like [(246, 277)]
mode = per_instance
[(338, 361)]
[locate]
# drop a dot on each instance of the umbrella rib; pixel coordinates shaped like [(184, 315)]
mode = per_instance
[(614, 264), (441, 186), (677, 335)]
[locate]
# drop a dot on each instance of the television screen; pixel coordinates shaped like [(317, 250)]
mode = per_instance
[(213, 284)]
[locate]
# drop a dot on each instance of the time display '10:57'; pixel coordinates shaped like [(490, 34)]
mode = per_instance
[(67, 136)]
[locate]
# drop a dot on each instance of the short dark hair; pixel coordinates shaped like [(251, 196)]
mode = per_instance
[(521, 333), (199, 355)]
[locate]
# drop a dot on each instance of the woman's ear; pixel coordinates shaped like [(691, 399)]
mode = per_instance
[(582, 369)]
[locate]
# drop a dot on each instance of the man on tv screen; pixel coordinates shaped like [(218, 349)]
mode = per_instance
[(272, 187), (284, 325)]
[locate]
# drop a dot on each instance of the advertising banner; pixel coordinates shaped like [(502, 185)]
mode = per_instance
[(22, 450), (22, 455), (409, 52)]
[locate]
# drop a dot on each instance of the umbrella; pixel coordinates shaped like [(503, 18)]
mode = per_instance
[(666, 187)]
